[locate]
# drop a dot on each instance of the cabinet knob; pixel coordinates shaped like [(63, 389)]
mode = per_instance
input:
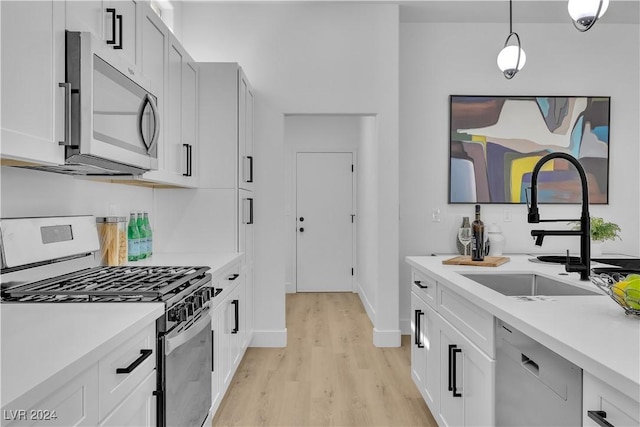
[(302, 229)]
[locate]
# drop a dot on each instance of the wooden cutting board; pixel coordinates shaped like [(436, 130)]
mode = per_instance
[(489, 261)]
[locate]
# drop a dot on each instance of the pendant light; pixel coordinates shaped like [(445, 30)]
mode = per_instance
[(585, 13), (511, 58)]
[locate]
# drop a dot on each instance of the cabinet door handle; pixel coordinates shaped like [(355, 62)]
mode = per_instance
[(420, 344), (213, 351), (600, 418), (144, 354), (453, 375), (233, 276), (451, 347), (250, 210), (420, 285), (250, 158), (113, 25), (119, 18), (236, 316), (416, 326), (188, 159), (67, 113)]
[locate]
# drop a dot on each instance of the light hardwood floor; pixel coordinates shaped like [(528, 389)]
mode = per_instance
[(329, 374)]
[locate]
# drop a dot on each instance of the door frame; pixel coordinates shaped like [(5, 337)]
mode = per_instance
[(293, 223)]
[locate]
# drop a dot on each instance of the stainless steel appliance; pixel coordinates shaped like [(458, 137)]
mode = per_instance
[(534, 385), (112, 123), (32, 248)]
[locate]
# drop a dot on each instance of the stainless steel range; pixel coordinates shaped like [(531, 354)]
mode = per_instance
[(54, 259)]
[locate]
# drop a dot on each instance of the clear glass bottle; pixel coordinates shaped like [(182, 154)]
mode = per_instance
[(459, 245), (143, 237), (133, 239), (147, 226)]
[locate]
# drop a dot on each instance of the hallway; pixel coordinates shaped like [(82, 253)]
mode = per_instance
[(329, 374)]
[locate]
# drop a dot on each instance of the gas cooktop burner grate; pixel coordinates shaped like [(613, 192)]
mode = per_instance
[(109, 284)]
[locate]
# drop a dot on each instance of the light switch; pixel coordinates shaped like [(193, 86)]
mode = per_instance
[(435, 215)]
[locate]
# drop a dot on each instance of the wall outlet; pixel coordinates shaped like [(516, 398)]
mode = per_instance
[(435, 215), (507, 215)]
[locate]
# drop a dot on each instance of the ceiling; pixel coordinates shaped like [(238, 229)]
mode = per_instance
[(497, 11)]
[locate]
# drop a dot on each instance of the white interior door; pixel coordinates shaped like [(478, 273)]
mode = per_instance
[(324, 199)]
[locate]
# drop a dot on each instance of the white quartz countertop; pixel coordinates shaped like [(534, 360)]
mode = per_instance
[(41, 341), (592, 332), (215, 260)]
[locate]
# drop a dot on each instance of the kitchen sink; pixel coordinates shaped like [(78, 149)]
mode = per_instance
[(526, 284)]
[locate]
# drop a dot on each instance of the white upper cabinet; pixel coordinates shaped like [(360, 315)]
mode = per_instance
[(116, 23), (33, 102), (226, 127)]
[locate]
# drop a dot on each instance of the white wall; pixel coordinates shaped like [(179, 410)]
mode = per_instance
[(35, 193), (331, 58), (437, 60)]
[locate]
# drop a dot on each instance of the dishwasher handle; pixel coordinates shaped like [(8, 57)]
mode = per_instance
[(530, 365), (600, 418)]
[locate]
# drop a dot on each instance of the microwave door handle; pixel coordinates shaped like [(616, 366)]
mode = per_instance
[(156, 131)]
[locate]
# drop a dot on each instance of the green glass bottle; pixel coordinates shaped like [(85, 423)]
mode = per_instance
[(143, 236), (133, 239), (147, 226)]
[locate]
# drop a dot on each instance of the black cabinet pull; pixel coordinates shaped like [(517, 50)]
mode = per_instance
[(302, 229), (189, 159), (301, 219), (250, 210), (420, 285), (236, 316), (213, 351), (113, 25), (454, 369), (415, 327), (250, 168), (144, 354), (119, 18), (451, 347), (233, 276), (420, 344), (600, 418)]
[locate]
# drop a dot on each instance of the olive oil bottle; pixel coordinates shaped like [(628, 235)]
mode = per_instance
[(477, 239)]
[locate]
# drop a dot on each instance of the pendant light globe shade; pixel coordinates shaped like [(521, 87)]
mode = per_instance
[(584, 13), (508, 60)]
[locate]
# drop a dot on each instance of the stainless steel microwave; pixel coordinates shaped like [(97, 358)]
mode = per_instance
[(112, 123)]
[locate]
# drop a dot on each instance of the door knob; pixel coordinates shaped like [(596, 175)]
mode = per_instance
[(301, 229)]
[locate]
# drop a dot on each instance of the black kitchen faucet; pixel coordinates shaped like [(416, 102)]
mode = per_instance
[(584, 266)]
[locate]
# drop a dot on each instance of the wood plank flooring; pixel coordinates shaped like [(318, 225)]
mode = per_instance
[(330, 374)]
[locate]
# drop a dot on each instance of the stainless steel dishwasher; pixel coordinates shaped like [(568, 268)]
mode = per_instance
[(534, 385)]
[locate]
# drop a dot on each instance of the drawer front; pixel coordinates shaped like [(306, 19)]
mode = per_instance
[(619, 409), (474, 323), (230, 276), (114, 386), (425, 287)]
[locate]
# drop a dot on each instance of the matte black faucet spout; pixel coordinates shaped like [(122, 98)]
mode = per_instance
[(584, 266)]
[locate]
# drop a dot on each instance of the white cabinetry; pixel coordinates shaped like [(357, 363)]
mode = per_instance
[(602, 404), (450, 363), (117, 390), (115, 22), (32, 57), (231, 328)]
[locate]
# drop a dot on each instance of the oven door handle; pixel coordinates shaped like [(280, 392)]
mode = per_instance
[(172, 343)]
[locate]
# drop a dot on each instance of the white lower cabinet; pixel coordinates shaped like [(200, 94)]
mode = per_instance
[(74, 403), (602, 404), (116, 390), (455, 376), (466, 381), (231, 326), (425, 358), (138, 409)]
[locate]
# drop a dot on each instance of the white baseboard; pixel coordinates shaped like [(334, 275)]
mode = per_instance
[(289, 288), (386, 338), (405, 326), (371, 311), (272, 339)]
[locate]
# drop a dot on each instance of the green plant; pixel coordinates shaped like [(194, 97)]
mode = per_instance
[(601, 230)]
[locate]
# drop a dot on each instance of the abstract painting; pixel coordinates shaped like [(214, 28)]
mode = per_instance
[(495, 141)]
